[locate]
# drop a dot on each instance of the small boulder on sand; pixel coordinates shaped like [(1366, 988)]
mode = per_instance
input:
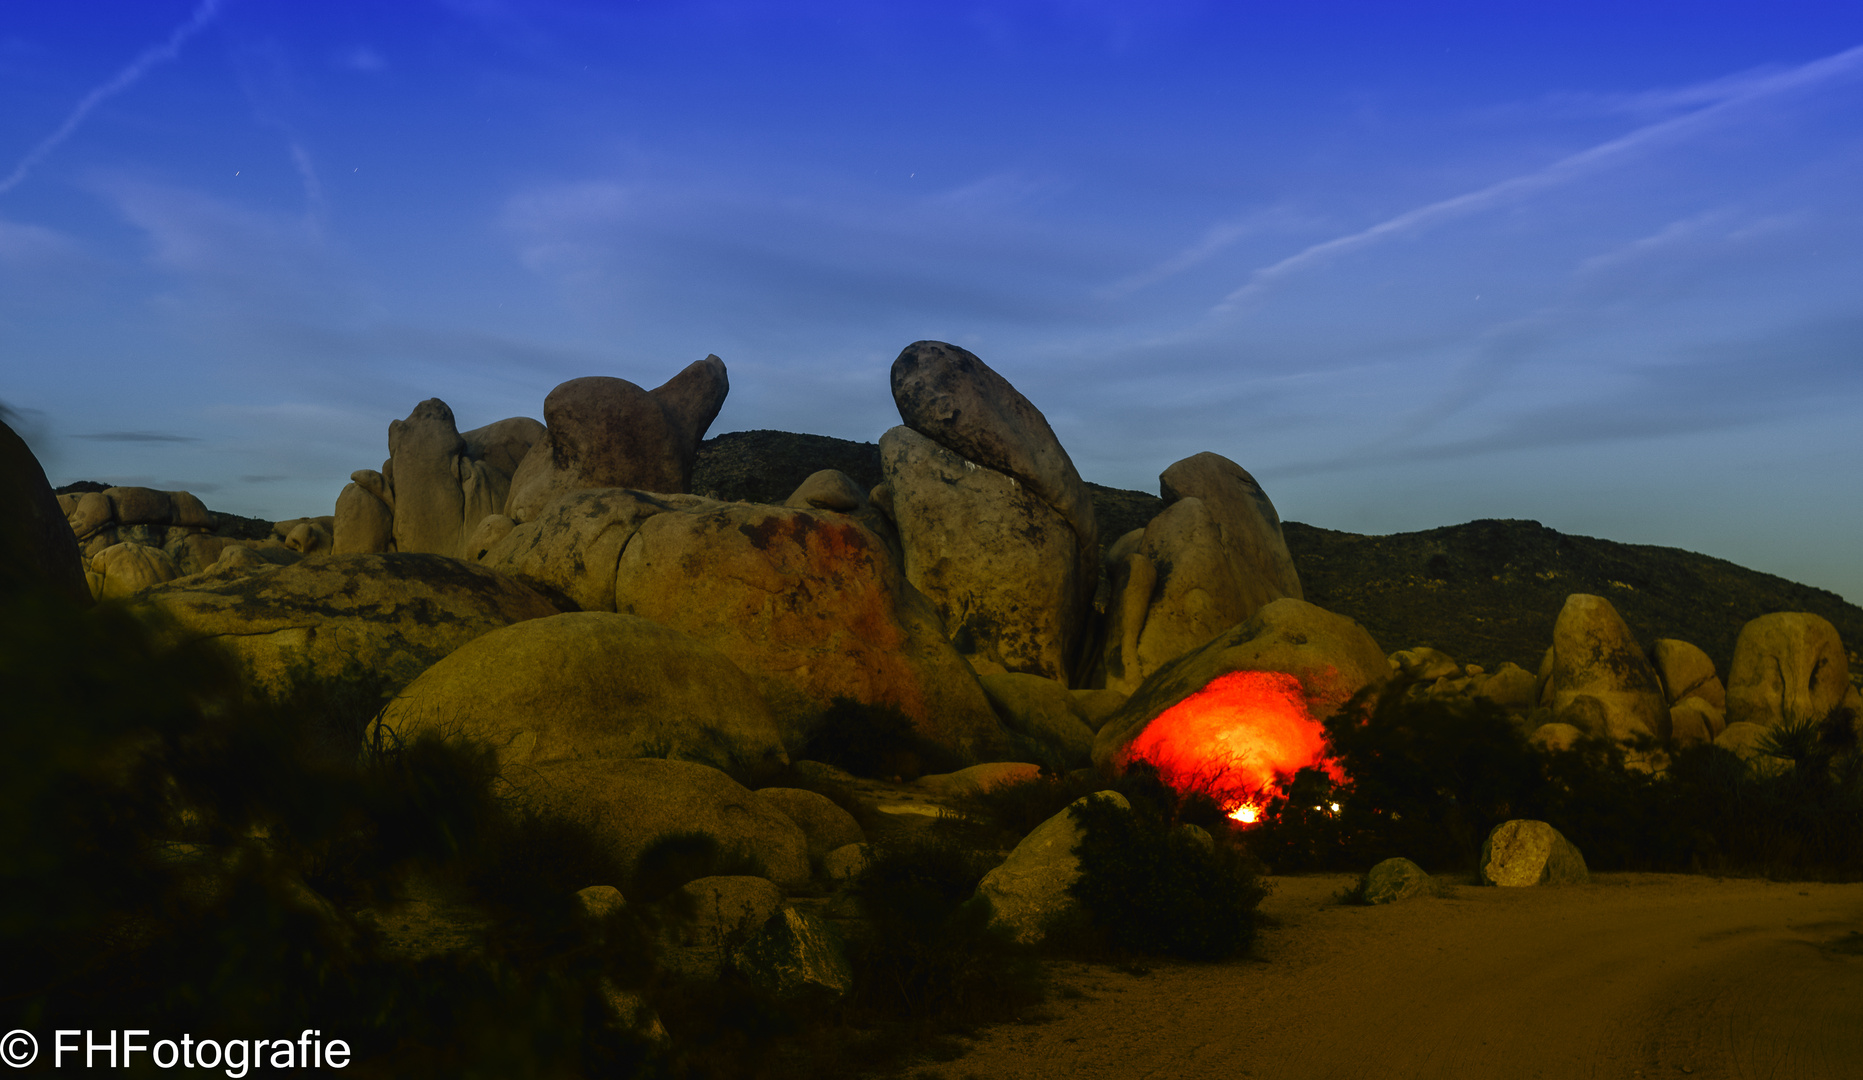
[(1522, 852), (1393, 880)]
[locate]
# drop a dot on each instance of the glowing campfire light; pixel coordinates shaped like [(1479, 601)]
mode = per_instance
[(1237, 739)]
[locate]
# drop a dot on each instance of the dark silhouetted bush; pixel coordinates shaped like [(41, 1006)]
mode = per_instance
[(929, 951), (874, 740), (1427, 779), (1149, 887)]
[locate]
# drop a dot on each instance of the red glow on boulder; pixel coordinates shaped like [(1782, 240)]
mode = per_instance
[(1233, 738)]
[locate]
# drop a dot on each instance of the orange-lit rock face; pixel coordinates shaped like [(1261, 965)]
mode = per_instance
[(1234, 738)]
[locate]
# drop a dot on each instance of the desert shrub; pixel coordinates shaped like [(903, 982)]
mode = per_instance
[(177, 852), (1427, 779), (874, 739), (1152, 888), (1013, 810), (929, 953)]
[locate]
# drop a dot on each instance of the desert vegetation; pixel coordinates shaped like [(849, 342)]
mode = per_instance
[(1428, 778)]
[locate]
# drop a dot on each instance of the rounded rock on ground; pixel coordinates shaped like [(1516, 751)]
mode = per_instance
[(847, 862), (794, 954), (1555, 736), (1095, 706), (1028, 893), (1522, 852), (1041, 709), (826, 825), (1394, 879), (707, 917), (127, 569), (599, 901)]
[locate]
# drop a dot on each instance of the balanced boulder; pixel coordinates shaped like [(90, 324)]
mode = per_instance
[(953, 400), (591, 685), (1001, 565), (1788, 668), (606, 432), (1524, 852)]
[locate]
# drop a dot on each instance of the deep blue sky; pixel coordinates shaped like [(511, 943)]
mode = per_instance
[(1411, 264)]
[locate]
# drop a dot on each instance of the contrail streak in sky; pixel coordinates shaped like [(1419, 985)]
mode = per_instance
[(123, 80), (1837, 66)]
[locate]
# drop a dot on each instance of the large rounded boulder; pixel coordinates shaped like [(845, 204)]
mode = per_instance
[(1600, 680), (812, 606), (1329, 655), (591, 685), (394, 614), (1788, 668)]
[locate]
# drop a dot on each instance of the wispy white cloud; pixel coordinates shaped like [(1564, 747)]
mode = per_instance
[(150, 58), (35, 247), (1215, 240), (1818, 73)]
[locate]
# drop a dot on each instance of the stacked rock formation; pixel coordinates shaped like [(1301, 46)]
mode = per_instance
[(995, 524)]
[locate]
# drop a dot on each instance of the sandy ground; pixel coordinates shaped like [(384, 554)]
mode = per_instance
[(1633, 975)]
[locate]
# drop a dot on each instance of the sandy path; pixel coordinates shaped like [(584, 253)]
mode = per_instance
[(1647, 975)]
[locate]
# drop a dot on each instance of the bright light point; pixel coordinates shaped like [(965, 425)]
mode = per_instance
[(1335, 807), (1247, 813)]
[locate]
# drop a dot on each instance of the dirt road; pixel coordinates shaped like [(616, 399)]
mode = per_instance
[(1634, 975)]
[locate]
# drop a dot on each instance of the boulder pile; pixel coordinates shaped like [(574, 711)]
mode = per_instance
[(631, 649)]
